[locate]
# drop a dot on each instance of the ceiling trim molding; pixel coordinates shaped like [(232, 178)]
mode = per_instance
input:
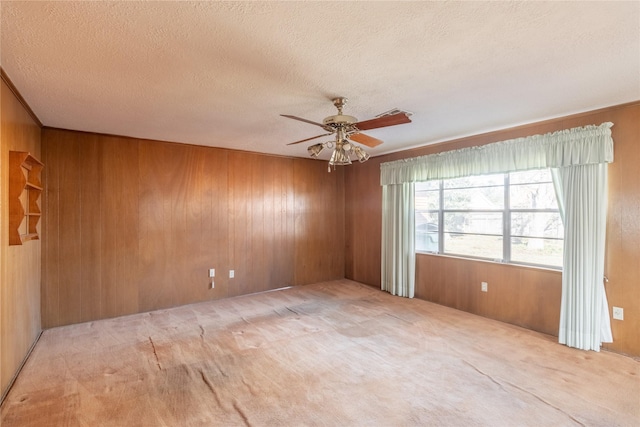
[(16, 92)]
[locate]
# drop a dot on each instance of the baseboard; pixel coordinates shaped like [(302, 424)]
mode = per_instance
[(15, 376)]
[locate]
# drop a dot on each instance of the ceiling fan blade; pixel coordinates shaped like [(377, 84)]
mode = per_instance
[(384, 121), (325, 127), (309, 139), (367, 140)]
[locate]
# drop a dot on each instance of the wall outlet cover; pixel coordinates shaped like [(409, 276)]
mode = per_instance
[(484, 286), (618, 313)]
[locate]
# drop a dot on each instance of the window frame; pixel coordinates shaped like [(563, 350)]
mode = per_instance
[(506, 212)]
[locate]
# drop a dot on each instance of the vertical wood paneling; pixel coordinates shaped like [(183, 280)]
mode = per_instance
[(20, 265), (155, 227), (260, 215), (151, 219), (118, 189), (518, 295), (90, 170), (623, 230), (171, 218), (240, 223), (258, 200), (207, 225), (50, 233), (535, 301), (69, 291), (280, 251), (216, 242), (364, 222), (319, 222), (122, 160)]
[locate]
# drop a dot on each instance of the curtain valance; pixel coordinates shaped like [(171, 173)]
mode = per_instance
[(577, 146)]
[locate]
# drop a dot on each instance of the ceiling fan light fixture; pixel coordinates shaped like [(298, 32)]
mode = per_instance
[(339, 158), (362, 155), (315, 150), (345, 127)]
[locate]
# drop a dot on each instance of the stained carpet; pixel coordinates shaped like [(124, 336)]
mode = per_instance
[(331, 354)]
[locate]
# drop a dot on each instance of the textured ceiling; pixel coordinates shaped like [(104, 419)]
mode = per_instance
[(220, 73)]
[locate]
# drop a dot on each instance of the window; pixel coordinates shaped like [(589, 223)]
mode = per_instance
[(509, 217)]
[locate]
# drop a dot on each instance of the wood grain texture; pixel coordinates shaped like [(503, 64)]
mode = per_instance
[(519, 295), (363, 218), (90, 169), (20, 266), (535, 301), (136, 225), (69, 227), (319, 222), (119, 202)]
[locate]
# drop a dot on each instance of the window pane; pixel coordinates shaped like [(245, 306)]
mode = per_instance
[(537, 224), (537, 251), (427, 241), (427, 218), (474, 181), (427, 200), (473, 214), (473, 222), (473, 245), (474, 198), (427, 231), (428, 185), (533, 196), (526, 177)]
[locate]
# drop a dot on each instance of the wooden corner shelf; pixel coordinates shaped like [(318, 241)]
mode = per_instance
[(25, 188)]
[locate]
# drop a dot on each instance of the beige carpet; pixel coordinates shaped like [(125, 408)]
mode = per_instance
[(331, 354)]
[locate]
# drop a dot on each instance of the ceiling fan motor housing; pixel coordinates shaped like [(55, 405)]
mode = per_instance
[(339, 119)]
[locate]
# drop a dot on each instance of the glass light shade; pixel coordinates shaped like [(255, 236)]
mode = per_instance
[(363, 156), (339, 158), (315, 150)]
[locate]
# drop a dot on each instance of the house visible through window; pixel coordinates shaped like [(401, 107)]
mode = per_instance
[(509, 217)]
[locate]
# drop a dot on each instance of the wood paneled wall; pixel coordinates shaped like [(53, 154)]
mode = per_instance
[(135, 225), (522, 296), (319, 210), (519, 295), (19, 265)]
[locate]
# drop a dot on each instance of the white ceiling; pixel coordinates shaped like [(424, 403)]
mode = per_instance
[(220, 73)]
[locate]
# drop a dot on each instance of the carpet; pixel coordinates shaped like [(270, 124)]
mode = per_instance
[(331, 354)]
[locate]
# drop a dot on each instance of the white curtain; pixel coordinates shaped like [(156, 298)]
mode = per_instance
[(584, 311), (580, 157), (398, 239)]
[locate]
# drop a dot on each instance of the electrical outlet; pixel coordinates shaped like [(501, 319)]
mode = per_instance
[(232, 274), (213, 285), (484, 286), (618, 313), (212, 272)]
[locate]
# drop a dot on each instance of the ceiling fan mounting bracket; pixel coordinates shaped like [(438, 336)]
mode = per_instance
[(339, 120), (339, 103)]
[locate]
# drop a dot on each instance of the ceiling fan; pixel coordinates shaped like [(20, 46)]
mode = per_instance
[(348, 130)]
